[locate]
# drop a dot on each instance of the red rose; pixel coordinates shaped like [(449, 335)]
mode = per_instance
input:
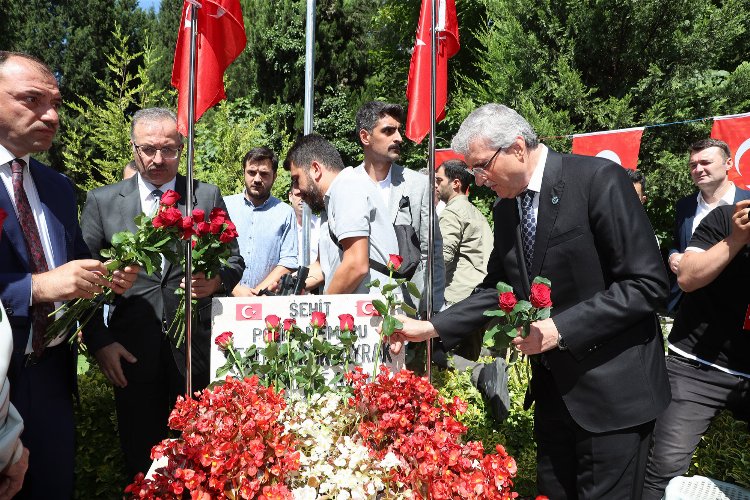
[(224, 340), (170, 197), (272, 322), (171, 216), (186, 223), (540, 295), (507, 301), (199, 215), (228, 235), (271, 335), (218, 216), (3, 215), (346, 322), (318, 319), (289, 324), (203, 228), (216, 227), (158, 221), (394, 262)]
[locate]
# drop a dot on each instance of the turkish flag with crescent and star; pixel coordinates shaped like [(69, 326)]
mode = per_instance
[(621, 146), (443, 155), (735, 131), (221, 38), (420, 74)]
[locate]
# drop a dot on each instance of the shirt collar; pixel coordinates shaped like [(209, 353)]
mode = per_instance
[(727, 199), (535, 183), (251, 204), (146, 188), (6, 156)]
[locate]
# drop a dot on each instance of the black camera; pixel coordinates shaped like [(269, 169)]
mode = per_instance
[(289, 284)]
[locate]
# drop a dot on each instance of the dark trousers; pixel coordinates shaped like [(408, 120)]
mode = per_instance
[(144, 405), (573, 463), (699, 392), (42, 392)]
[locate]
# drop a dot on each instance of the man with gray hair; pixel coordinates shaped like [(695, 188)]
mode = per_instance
[(143, 363), (599, 378)]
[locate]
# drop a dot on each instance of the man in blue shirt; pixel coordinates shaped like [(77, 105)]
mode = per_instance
[(267, 227)]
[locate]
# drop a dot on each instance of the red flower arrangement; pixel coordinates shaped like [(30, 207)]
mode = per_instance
[(236, 442), (232, 445), (403, 414)]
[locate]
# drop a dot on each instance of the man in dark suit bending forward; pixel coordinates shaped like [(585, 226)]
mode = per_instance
[(599, 378)]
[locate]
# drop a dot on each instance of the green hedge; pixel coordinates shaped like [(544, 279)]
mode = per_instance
[(723, 454)]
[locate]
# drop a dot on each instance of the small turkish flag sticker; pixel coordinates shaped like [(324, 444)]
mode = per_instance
[(365, 308), (747, 319), (249, 311)]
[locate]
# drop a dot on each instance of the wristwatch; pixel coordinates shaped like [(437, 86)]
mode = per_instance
[(561, 343)]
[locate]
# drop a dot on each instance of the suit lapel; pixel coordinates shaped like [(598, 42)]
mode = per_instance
[(130, 204), (12, 229), (550, 200)]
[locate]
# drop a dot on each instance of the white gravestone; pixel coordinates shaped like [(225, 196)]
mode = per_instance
[(245, 317)]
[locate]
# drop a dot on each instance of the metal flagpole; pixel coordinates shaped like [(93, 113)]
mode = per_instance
[(308, 123), (189, 202), (431, 179)]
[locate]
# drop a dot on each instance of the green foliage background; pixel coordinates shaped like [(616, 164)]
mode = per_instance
[(569, 67)]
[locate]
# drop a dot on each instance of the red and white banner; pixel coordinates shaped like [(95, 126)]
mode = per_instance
[(443, 155), (621, 146), (221, 38), (735, 131), (420, 75)]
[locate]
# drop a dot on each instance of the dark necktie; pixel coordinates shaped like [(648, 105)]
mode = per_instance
[(37, 261), (157, 194), (528, 226)]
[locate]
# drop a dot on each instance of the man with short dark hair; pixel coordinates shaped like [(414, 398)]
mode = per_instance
[(133, 350), (638, 179), (265, 225), (708, 362), (598, 374), (43, 262), (709, 161), (355, 228), (467, 237), (406, 194)]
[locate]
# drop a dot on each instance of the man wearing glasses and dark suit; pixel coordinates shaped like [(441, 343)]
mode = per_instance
[(133, 351), (599, 379)]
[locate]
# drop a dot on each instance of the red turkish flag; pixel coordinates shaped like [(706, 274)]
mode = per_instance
[(418, 86), (620, 146), (735, 131), (221, 38), (443, 155)]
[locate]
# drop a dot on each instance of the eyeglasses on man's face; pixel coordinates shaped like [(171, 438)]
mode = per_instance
[(480, 173), (168, 153)]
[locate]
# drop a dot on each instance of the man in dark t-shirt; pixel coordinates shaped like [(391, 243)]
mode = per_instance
[(709, 346)]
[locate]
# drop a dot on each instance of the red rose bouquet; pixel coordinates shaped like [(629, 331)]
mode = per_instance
[(517, 314), (210, 240), (156, 236)]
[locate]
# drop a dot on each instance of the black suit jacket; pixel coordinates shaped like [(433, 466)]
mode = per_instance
[(595, 244), (683, 231), (140, 316)]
